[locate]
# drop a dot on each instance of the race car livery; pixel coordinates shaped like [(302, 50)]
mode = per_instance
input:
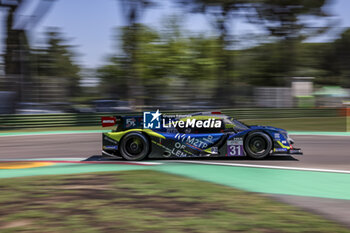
[(185, 136)]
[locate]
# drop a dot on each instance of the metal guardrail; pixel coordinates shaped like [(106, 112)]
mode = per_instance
[(94, 119)]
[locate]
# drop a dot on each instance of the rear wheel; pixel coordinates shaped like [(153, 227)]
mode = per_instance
[(134, 146), (258, 145)]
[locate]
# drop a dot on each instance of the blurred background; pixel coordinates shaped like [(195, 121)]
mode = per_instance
[(258, 58)]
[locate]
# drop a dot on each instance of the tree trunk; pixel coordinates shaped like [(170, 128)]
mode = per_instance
[(223, 94)]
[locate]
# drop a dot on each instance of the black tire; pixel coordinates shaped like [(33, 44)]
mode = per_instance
[(134, 146), (257, 145)]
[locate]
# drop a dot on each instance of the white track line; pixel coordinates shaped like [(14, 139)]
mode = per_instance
[(263, 166), (46, 134), (79, 159), (146, 163), (317, 134), (46, 159)]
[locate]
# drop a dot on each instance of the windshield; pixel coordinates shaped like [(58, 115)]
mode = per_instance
[(237, 125), (240, 124)]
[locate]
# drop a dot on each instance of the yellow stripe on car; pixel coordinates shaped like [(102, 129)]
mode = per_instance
[(283, 146), (118, 135), (200, 117)]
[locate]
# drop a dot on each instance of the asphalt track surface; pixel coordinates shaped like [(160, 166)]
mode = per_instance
[(320, 152)]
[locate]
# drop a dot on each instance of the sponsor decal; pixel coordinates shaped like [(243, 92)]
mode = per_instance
[(151, 120), (172, 131), (276, 135), (108, 121), (155, 120), (110, 147), (130, 122), (214, 150), (188, 130), (178, 150), (280, 149), (235, 147), (193, 141)]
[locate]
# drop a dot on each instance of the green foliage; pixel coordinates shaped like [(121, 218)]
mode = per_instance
[(168, 57), (291, 22), (149, 63), (221, 13), (56, 59), (287, 19), (113, 79), (338, 59), (162, 59)]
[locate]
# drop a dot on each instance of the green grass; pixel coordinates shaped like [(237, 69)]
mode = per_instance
[(332, 124), (144, 201)]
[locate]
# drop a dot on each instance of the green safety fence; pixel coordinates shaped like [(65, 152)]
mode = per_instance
[(94, 119)]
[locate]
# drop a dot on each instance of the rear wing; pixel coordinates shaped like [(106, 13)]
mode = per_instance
[(123, 122)]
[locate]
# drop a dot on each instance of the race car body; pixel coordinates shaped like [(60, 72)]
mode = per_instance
[(187, 136)]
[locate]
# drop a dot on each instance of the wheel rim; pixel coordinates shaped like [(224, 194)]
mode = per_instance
[(134, 146), (257, 145)]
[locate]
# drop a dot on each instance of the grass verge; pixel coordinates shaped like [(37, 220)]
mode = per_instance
[(144, 201)]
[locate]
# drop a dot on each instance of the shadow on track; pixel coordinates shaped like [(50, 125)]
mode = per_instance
[(270, 158)]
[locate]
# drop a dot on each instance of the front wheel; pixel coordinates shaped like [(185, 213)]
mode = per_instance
[(257, 145), (134, 146)]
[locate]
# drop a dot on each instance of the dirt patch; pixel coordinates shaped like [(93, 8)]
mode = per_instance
[(99, 188), (91, 179), (169, 206), (18, 223), (89, 187)]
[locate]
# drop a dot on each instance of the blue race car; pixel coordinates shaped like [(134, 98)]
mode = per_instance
[(206, 134)]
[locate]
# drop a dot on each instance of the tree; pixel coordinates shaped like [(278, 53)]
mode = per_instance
[(338, 59), (164, 59), (291, 21), (220, 13), (133, 10), (17, 60), (17, 47), (16, 57), (56, 59), (114, 79)]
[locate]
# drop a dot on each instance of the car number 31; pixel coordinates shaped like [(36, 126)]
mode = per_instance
[(235, 151)]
